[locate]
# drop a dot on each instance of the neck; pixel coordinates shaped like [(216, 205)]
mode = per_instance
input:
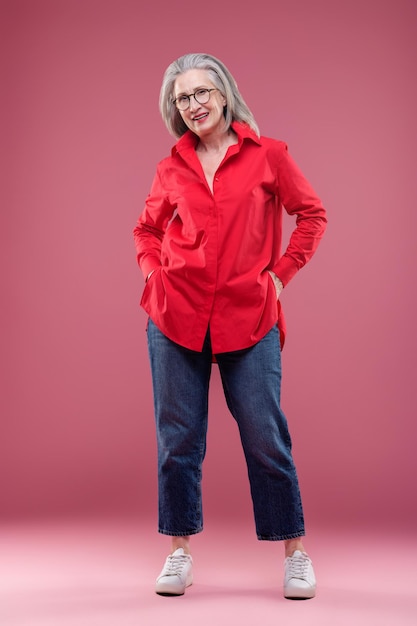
[(216, 142)]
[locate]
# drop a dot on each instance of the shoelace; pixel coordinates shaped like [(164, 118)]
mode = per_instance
[(298, 566), (174, 564)]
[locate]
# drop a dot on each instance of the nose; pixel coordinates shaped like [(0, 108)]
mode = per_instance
[(193, 103)]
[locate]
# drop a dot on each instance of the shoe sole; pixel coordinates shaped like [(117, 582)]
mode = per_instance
[(301, 595), (169, 594), (167, 591)]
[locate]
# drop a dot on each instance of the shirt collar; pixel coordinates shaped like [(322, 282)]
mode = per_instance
[(189, 139)]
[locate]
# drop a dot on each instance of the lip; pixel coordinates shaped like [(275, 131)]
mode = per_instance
[(200, 117)]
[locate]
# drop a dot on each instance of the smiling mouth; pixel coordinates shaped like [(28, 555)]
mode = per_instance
[(198, 118)]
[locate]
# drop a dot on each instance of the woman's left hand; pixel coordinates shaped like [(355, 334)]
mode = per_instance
[(277, 283)]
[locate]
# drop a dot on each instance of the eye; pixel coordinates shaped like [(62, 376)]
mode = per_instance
[(201, 93), (182, 99)]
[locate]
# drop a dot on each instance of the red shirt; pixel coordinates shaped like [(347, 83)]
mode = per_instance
[(211, 251)]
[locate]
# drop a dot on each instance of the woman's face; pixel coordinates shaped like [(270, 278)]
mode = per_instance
[(203, 119)]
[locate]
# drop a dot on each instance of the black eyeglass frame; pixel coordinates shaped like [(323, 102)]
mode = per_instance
[(188, 95)]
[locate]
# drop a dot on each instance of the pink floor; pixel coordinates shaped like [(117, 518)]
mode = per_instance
[(101, 573)]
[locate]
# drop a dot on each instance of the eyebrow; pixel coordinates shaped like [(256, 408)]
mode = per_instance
[(183, 93)]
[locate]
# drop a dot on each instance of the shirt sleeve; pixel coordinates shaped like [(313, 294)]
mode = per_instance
[(150, 228), (299, 199)]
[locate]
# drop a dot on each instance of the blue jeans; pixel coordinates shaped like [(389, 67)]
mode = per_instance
[(251, 381)]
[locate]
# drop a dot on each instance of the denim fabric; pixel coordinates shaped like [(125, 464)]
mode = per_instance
[(252, 383)]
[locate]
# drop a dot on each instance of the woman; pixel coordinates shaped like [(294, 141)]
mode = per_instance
[(209, 245)]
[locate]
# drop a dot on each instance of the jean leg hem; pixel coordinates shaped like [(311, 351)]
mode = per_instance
[(301, 533), (186, 533)]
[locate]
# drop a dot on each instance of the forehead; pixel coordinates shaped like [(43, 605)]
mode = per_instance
[(190, 80)]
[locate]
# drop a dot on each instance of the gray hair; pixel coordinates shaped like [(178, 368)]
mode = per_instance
[(236, 108)]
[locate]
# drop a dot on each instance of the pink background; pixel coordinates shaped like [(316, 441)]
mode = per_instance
[(81, 137)]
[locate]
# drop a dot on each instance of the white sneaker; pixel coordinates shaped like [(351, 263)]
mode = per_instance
[(299, 579), (176, 575)]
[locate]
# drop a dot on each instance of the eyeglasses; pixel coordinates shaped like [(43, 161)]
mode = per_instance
[(201, 96)]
